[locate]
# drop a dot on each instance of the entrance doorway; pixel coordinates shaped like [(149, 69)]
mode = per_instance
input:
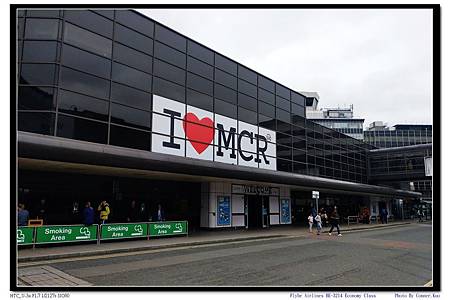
[(256, 211)]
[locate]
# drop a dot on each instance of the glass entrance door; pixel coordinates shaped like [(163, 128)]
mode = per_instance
[(256, 211)]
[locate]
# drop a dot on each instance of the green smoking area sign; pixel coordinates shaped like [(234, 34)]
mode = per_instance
[(168, 228), (125, 230), (70, 233), (25, 235)]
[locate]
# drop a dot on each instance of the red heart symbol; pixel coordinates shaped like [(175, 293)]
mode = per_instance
[(200, 133)]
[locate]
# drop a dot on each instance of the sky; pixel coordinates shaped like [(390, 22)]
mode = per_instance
[(379, 60)]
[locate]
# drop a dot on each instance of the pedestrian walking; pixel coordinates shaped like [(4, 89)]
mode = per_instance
[(22, 215), (104, 211), (384, 216), (88, 214), (318, 219), (310, 222), (334, 219)]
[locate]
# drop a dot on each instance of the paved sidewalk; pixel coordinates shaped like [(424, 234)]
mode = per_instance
[(47, 276), (203, 237)]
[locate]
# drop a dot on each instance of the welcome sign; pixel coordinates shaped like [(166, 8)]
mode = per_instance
[(184, 130)]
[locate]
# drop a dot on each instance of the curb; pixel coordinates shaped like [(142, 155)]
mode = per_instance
[(138, 249), (187, 244)]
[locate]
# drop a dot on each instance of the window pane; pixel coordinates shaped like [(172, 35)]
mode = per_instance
[(87, 40), (225, 108), (266, 109), (35, 98), (42, 123), (108, 13), (266, 96), (130, 116), (81, 129), (247, 74), (170, 55), (38, 74), (90, 20), (247, 102), (199, 100), (168, 89), (200, 68), (84, 106), (247, 88), (225, 64), (131, 77), (297, 99), (39, 51), (247, 116), (169, 72), (85, 61), (200, 52), (298, 110), (267, 122), (199, 84), (130, 96), (41, 29), (225, 93), (225, 79), (284, 104), (170, 38), (284, 165), (134, 20), (42, 13), (132, 58), (283, 92), (283, 115), (266, 84), (83, 83), (20, 26), (126, 137), (133, 39)]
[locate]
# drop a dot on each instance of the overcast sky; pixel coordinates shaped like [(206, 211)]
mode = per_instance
[(378, 60)]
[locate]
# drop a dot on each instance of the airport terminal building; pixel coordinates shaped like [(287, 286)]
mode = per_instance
[(112, 105)]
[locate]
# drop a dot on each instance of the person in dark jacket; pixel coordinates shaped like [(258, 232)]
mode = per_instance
[(22, 215), (88, 214), (334, 220), (133, 212)]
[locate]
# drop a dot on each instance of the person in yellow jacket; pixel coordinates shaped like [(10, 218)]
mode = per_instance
[(104, 211)]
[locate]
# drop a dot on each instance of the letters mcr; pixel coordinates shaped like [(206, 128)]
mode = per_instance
[(231, 139), (185, 130)]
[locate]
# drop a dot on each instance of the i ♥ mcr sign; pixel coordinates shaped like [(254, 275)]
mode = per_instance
[(184, 130)]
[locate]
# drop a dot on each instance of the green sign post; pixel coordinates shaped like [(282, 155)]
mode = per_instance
[(125, 230), (25, 235), (168, 228), (69, 233)]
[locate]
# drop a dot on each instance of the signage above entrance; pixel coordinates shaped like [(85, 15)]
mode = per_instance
[(254, 190), (184, 130)]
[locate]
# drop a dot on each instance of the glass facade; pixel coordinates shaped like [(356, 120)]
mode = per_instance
[(399, 163), (401, 136), (91, 76)]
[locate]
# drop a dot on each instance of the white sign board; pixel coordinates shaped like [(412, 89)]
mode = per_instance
[(428, 166), (184, 130), (315, 194)]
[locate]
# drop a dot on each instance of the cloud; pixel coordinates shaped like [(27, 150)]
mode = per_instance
[(379, 60)]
